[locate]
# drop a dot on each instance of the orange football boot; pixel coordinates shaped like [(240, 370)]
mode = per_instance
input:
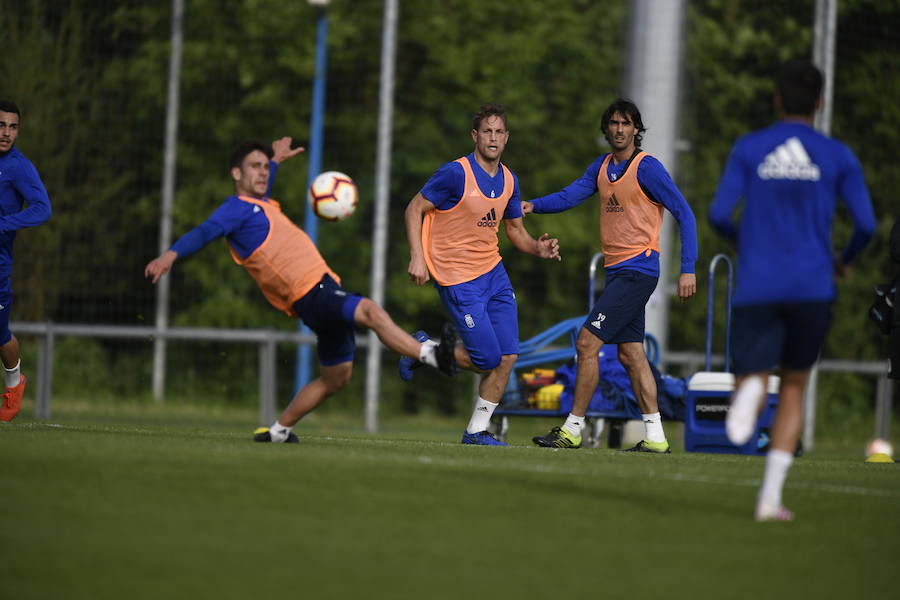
[(12, 400)]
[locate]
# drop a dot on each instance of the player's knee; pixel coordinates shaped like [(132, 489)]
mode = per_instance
[(337, 379), (587, 345), (631, 355), (487, 361), (369, 313)]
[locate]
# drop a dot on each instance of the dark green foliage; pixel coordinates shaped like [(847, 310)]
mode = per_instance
[(91, 79)]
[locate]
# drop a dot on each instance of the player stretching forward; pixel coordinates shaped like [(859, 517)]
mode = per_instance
[(452, 229), (789, 177), (20, 184), (295, 279), (634, 188)]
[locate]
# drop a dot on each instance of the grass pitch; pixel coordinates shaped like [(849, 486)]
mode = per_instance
[(147, 507)]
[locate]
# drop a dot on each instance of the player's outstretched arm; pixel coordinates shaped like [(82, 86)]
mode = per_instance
[(160, 265), (281, 149), (415, 212), (544, 246)]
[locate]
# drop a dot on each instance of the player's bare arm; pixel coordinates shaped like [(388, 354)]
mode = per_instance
[(160, 265), (415, 213), (544, 246), (687, 285), (281, 149)]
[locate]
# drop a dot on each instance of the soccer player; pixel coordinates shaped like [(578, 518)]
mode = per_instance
[(452, 229), (295, 279), (633, 189), (789, 177), (20, 185)]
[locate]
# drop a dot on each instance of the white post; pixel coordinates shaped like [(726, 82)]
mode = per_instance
[(168, 199), (824, 36), (652, 82), (382, 202)]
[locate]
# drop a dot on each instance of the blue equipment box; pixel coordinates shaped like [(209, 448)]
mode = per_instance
[(706, 404)]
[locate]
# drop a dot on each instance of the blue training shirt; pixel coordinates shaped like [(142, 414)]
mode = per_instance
[(20, 185), (789, 177), (445, 188), (245, 225), (659, 187)]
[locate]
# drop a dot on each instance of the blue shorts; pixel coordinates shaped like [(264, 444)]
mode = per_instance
[(485, 314), (618, 315), (6, 300), (328, 310), (786, 334)]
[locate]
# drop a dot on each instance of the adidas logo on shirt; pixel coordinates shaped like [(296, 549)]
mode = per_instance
[(613, 205), (789, 161), (489, 219)]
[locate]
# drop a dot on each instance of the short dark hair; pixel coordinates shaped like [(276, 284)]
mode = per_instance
[(10, 107), (799, 84), (626, 108), (244, 148), (489, 110)]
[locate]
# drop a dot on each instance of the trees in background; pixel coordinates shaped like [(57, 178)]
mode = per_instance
[(91, 80)]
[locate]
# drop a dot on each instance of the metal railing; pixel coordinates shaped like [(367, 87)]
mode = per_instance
[(266, 339)]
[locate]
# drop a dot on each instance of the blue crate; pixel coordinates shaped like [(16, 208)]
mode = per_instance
[(706, 404)]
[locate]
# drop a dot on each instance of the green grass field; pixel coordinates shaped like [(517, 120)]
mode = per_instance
[(180, 504)]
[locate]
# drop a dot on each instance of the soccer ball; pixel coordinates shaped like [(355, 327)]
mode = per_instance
[(879, 446), (333, 196)]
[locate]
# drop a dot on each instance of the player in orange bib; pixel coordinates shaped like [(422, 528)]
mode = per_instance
[(295, 279), (633, 188), (452, 228)]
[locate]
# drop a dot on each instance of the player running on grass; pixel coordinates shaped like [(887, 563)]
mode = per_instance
[(20, 184), (452, 228), (633, 189), (295, 279), (789, 177)]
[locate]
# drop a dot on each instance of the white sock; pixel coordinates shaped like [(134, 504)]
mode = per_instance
[(481, 416), (427, 353), (574, 425), (777, 464), (11, 376), (740, 422), (279, 432), (653, 429)]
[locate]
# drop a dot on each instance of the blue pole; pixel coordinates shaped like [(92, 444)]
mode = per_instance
[(311, 223)]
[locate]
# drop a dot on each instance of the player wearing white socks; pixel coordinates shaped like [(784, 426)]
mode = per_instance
[(789, 177), (632, 189), (23, 203), (295, 279)]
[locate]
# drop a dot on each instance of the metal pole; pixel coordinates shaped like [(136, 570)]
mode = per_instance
[(382, 201), (42, 408), (311, 223), (824, 33), (652, 81), (883, 407), (809, 409), (267, 382), (168, 198), (824, 36)]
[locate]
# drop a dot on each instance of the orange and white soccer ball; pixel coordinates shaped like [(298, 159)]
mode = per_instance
[(333, 196)]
